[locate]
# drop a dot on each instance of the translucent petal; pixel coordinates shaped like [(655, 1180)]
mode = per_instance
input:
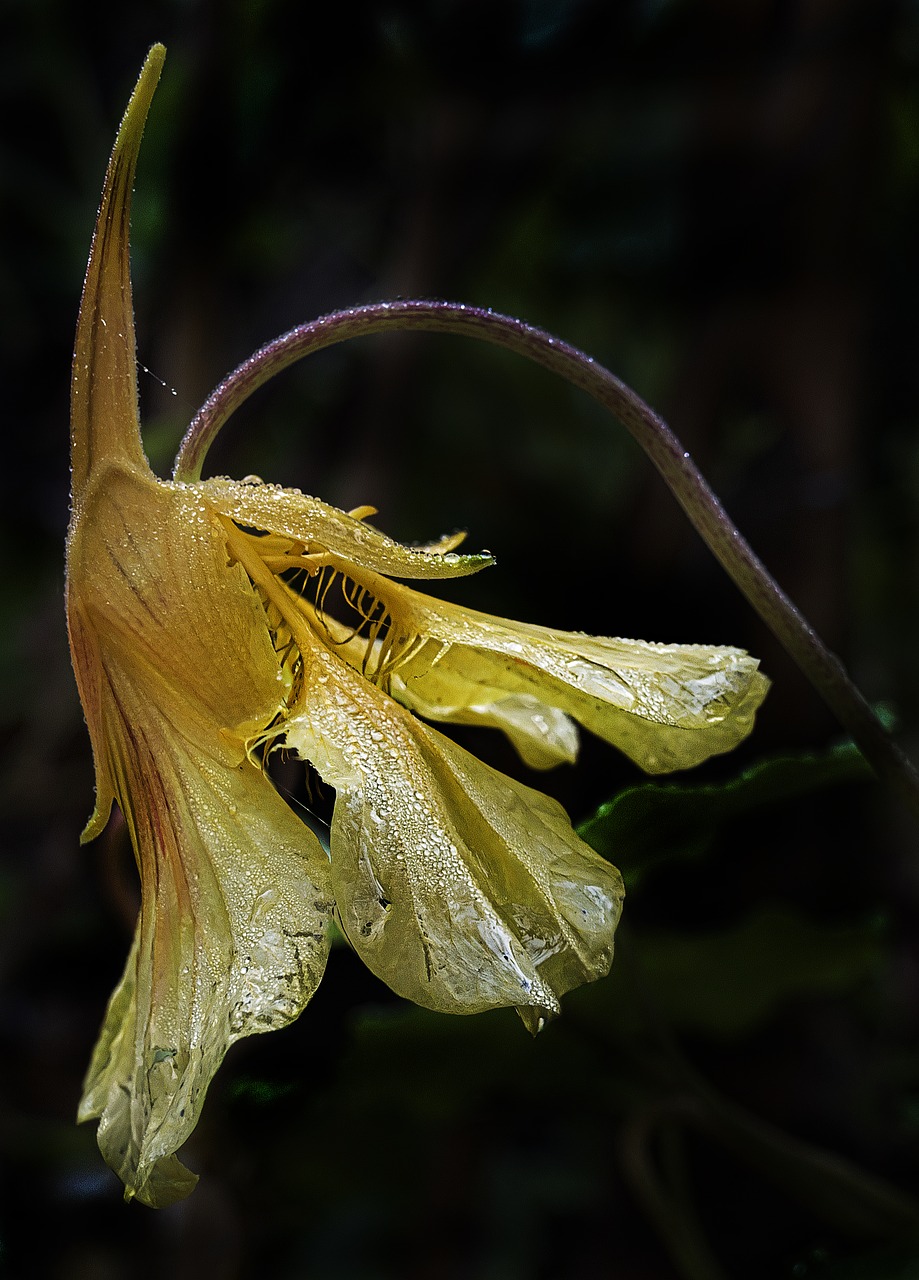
[(231, 939), (174, 647), (543, 735), (315, 523), (666, 706), (460, 888)]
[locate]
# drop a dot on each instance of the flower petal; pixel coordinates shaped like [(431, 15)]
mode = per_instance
[(543, 735), (175, 648), (148, 577), (665, 706), (231, 939), (316, 524), (460, 888), (104, 422)]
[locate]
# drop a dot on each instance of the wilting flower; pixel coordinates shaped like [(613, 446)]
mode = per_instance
[(203, 634)]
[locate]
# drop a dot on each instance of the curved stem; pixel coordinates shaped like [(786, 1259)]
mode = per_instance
[(686, 482)]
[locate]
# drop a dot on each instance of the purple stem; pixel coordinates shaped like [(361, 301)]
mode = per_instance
[(686, 482)]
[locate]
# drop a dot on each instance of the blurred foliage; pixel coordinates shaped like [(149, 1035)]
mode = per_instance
[(720, 202), (650, 824)]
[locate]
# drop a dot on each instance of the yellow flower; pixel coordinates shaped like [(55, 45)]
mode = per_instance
[(203, 633)]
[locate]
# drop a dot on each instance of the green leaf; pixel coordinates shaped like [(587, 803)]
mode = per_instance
[(651, 823)]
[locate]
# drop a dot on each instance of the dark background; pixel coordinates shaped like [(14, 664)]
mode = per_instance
[(719, 200)]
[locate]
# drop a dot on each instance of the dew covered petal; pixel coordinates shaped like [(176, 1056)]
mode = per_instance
[(231, 941), (665, 706), (235, 889), (543, 735), (460, 888), (318, 525), (149, 579), (104, 421)]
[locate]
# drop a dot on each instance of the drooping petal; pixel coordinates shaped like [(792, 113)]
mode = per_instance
[(665, 706), (231, 939), (178, 655), (543, 735), (316, 524), (460, 888)]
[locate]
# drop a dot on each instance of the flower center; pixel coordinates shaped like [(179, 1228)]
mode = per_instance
[(311, 596)]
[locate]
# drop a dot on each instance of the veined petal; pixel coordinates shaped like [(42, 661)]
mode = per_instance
[(148, 579), (177, 668), (104, 422), (665, 706), (87, 668), (231, 941), (321, 527), (460, 888)]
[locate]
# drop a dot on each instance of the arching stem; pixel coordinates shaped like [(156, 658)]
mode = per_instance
[(686, 482)]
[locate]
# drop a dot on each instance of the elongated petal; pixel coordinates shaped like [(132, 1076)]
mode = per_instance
[(231, 940), (459, 887), (666, 706), (175, 648), (315, 523), (104, 423)]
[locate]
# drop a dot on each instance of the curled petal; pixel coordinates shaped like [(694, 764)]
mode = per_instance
[(319, 526), (231, 940), (460, 888)]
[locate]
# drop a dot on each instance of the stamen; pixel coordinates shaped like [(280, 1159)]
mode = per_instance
[(323, 594), (361, 513), (310, 563), (398, 657), (294, 578)]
